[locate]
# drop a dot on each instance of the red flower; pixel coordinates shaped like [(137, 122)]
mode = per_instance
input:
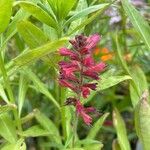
[(92, 41), (92, 86), (88, 61), (79, 70), (97, 68), (85, 92), (82, 112)]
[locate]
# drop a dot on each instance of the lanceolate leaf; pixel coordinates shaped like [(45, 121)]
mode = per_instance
[(5, 13), (142, 121), (89, 20), (34, 54), (3, 94), (97, 126), (32, 35), (61, 8), (23, 86), (121, 130), (107, 82), (138, 22), (19, 145), (85, 12), (34, 131), (47, 124), (7, 128), (139, 78), (64, 8), (20, 15), (38, 13), (40, 85)]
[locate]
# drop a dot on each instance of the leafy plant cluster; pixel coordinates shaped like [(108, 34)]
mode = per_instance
[(32, 110)]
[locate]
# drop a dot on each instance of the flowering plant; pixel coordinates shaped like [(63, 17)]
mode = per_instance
[(78, 72)]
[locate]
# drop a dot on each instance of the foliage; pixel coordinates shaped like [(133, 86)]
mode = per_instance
[(32, 110)]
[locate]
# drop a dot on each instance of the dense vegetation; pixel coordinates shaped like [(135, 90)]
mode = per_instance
[(101, 101)]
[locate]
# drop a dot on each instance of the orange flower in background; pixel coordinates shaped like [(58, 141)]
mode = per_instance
[(104, 53)]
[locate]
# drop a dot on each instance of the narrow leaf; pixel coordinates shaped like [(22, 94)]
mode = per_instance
[(3, 94), (139, 78), (40, 85), (121, 130), (85, 12), (107, 82), (34, 54), (34, 131), (19, 145), (32, 35), (7, 128), (5, 13), (138, 22), (23, 86), (142, 121), (97, 126), (47, 124), (38, 13), (89, 20)]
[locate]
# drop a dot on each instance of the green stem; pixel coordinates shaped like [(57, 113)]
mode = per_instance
[(75, 125), (9, 91)]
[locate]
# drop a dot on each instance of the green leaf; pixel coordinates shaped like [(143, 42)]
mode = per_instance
[(142, 121), (34, 131), (82, 4), (138, 22), (121, 130), (38, 13), (89, 20), (5, 13), (61, 8), (3, 94), (47, 124), (34, 54), (107, 82), (115, 145), (85, 12), (94, 147), (23, 86), (7, 128), (40, 85), (6, 108), (32, 35), (11, 31), (139, 78), (64, 8), (19, 145), (120, 56), (97, 126)]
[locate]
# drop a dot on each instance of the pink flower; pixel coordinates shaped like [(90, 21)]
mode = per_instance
[(66, 52), (82, 112), (85, 92), (98, 67), (91, 74), (88, 61), (79, 70), (92, 86), (92, 41), (65, 83)]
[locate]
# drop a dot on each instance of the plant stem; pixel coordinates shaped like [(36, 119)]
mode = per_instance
[(75, 125), (9, 91)]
